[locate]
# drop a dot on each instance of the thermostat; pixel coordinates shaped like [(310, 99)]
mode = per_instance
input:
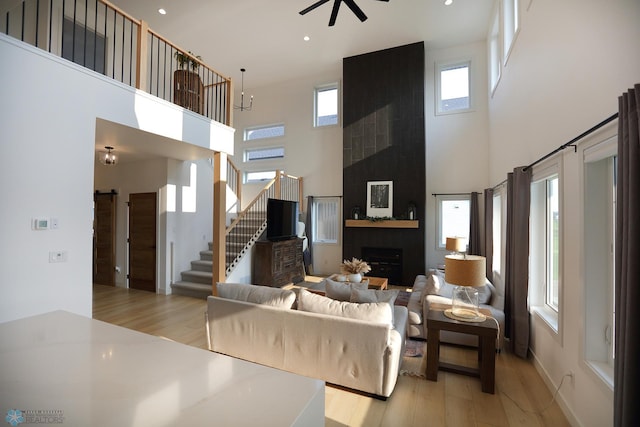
[(40, 224)]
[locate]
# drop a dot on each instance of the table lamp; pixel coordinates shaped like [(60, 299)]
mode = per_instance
[(467, 272)]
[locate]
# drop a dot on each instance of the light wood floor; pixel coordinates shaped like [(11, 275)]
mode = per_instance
[(453, 400)]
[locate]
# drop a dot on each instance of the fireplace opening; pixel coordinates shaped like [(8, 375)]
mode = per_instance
[(384, 262)]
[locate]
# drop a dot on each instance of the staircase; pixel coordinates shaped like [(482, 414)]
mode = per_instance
[(241, 235)]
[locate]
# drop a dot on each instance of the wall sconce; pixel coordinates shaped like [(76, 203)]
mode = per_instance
[(107, 157)]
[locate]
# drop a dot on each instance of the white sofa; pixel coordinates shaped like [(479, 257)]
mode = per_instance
[(258, 324), (432, 288)]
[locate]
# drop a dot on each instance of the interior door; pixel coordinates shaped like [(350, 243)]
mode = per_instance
[(104, 238), (142, 241)]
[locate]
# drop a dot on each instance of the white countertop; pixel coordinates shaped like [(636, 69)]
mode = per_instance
[(96, 374)]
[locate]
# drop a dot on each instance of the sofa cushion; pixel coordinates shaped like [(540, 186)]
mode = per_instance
[(275, 297), (341, 291), (379, 312)]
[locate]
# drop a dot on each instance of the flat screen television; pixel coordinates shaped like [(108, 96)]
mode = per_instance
[(282, 219)]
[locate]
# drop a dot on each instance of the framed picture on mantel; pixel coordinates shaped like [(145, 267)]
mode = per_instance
[(380, 199)]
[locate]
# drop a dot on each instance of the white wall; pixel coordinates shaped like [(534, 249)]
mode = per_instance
[(315, 154), (48, 124), (457, 144), (571, 61), (182, 232)]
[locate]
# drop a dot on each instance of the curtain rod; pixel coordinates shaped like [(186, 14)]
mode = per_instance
[(450, 194), (573, 141)]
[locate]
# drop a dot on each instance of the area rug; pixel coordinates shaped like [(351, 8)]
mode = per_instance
[(414, 348), (414, 362)]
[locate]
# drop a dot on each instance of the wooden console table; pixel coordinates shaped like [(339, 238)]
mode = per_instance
[(278, 263), (486, 331)]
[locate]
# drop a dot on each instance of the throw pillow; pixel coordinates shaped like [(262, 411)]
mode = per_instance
[(341, 291), (444, 289), (275, 297), (372, 312), (374, 295), (431, 287)]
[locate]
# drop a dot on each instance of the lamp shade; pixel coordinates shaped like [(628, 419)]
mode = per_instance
[(465, 270), (456, 244)]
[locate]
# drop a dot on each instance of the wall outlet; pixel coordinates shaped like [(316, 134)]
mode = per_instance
[(58, 256)]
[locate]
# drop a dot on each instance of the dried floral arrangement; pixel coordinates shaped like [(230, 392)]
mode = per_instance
[(354, 266)]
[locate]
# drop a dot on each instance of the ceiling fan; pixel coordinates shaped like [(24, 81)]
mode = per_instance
[(336, 6)]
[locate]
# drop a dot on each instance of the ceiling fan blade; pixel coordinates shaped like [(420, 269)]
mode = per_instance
[(313, 6), (356, 10), (334, 12)]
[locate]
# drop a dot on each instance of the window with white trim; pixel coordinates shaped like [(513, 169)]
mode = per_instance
[(266, 153), (510, 26), (453, 87), (545, 244), (452, 218), (325, 105), (499, 231), (262, 132), (259, 176), (495, 63), (325, 213), (600, 163)]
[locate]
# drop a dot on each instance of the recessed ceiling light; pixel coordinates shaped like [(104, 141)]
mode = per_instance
[(448, 2), (306, 38), (161, 11)]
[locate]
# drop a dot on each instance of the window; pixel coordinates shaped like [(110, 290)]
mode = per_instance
[(545, 245), (510, 25), (326, 105), (261, 132), (454, 87), (453, 218), (497, 233), (250, 177), (264, 154), (494, 53), (600, 163), (325, 213)]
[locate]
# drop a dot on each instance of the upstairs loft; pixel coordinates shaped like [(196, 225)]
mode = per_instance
[(99, 36)]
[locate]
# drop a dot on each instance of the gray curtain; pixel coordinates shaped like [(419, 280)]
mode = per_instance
[(627, 280), (474, 226), (308, 254), (517, 261), (488, 231)]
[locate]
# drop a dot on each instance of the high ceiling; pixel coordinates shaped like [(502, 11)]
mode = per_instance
[(266, 36)]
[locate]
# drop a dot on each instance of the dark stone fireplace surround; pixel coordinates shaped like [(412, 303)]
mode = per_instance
[(384, 140)]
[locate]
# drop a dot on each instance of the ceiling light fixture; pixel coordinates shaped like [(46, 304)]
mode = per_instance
[(107, 157), (241, 107), (306, 38), (161, 11), (448, 2)]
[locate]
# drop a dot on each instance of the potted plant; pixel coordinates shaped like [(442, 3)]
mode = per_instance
[(188, 90), (354, 269)]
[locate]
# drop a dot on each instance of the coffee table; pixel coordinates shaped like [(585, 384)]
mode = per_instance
[(379, 283), (486, 331)]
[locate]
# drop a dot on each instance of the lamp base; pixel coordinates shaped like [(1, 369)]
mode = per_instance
[(465, 315)]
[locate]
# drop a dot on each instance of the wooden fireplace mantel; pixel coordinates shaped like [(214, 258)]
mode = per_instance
[(365, 223)]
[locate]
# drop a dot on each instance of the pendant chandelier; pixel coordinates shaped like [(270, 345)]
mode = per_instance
[(243, 107), (107, 157)]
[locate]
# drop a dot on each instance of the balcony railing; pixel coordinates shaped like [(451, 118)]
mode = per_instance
[(105, 39)]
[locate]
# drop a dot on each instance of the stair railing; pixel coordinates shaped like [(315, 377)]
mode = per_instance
[(104, 38), (243, 232)]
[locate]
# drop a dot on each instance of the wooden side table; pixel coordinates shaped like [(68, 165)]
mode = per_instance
[(486, 331)]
